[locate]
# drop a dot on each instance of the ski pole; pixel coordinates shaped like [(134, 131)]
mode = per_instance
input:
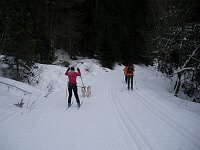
[(82, 81), (83, 88), (66, 93), (135, 82), (122, 86), (66, 88)]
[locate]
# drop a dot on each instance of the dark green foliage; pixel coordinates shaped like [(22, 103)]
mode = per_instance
[(66, 64), (21, 38), (112, 29), (119, 31), (17, 40)]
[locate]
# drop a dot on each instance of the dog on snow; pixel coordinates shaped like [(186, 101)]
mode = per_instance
[(88, 92), (83, 90)]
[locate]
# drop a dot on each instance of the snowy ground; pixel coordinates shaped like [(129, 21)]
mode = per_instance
[(112, 118)]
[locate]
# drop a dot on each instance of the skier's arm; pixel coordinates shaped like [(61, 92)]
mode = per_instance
[(67, 72), (125, 70), (79, 72)]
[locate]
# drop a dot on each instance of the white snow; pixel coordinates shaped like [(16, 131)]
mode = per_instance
[(112, 118)]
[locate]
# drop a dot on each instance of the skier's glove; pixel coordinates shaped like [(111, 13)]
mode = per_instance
[(68, 69), (78, 69)]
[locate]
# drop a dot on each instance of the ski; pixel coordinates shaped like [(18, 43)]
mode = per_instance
[(79, 106), (69, 106)]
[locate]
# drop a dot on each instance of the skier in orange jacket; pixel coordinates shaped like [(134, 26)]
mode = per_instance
[(129, 74)]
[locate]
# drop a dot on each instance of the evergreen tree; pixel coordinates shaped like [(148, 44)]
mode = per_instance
[(17, 37)]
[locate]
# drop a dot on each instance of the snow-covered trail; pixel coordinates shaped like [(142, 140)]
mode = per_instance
[(151, 125), (50, 126), (111, 119)]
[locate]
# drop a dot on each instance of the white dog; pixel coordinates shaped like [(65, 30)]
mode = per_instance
[(88, 92), (83, 90)]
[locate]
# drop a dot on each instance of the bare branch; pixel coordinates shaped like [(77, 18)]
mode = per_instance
[(9, 85), (193, 53)]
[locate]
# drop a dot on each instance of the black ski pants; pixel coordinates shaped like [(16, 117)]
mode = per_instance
[(73, 87), (130, 81), (126, 78)]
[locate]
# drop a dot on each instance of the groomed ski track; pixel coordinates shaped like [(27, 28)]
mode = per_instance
[(142, 119), (112, 118)]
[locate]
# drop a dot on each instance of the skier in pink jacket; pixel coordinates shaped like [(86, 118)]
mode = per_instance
[(72, 75)]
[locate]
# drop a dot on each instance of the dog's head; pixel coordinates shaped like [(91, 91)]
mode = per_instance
[(83, 88)]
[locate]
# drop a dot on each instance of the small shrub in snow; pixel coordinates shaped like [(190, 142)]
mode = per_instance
[(20, 104), (89, 67), (65, 64)]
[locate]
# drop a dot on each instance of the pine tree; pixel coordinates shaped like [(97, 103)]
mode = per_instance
[(17, 43)]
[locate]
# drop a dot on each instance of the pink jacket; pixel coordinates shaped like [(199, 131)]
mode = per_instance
[(72, 76)]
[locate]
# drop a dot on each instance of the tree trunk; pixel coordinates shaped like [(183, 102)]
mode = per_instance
[(178, 84), (17, 68)]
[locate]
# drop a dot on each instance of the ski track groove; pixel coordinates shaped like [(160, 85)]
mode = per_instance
[(160, 105), (133, 145), (8, 117), (119, 118), (166, 113), (178, 129), (136, 136)]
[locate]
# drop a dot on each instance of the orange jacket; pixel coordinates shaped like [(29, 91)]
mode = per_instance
[(125, 70), (128, 74)]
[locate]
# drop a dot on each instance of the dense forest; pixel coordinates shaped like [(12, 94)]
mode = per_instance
[(162, 32)]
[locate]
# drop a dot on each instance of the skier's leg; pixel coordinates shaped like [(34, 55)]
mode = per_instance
[(131, 82), (70, 94), (76, 94), (128, 78)]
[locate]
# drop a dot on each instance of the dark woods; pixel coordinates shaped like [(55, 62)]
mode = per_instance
[(175, 43), (114, 31), (110, 30)]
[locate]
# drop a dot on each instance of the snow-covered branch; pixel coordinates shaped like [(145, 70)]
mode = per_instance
[(188, 60), (184, 69)]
